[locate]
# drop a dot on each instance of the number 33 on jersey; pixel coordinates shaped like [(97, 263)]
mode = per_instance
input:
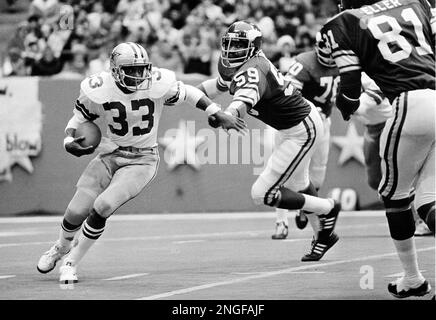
[(132, 119)]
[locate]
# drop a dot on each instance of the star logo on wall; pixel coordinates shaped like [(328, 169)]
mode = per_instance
[(182, 148), (351, 145)]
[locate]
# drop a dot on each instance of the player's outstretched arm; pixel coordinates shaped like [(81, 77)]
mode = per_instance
[(212, 88), (216, 117)]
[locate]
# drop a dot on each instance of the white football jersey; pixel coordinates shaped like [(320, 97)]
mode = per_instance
[(131, 119)]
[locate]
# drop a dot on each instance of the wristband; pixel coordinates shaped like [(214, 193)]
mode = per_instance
[(212, 109), (68, 139)]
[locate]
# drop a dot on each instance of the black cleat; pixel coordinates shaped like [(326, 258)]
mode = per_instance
[(420, 291), (328, 222), (281, 231), (301, 220), (319, 248)]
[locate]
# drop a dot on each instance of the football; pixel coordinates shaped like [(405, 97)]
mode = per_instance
[(91, 132)]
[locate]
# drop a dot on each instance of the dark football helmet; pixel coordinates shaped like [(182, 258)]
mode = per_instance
[(241, 41), (354, 4)]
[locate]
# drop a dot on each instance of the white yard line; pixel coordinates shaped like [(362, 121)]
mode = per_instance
[(20, 233), (400, 274), (129, 276), (7, 277), (250, 233), (269, 274), (188, 241), (187, 216)]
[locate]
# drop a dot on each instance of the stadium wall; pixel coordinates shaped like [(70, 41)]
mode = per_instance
[(214, 187)]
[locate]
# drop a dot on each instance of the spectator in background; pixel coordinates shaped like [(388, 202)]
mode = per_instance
[(177, 11), (34, 26), (18, 40), (305, 42), (164, 55), (283, 58), (266, 26), (168, 33), (101, 63), (14, 64), (152, 14), (310, 27), (210, 10), (284, 26), (195, 48), (48, 65), (57, 39), (48, 10), (77, 65), (33, 49)]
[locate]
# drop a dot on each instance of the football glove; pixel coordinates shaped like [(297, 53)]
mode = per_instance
[(213, 121), (72, 145)]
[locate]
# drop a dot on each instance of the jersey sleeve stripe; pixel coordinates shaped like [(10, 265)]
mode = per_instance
[(175, 98), (249, 92), (221, 85), (344, 61), (85, 112), (348, 52), (335, 56), (350, 68), (247, 100)]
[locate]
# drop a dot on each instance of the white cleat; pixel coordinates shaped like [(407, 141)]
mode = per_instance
[(48, 260), (68, 274), (281, 231)]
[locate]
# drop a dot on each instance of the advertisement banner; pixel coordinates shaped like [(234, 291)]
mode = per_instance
[(20, 125)]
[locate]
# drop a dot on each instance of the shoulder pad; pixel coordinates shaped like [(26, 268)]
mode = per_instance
[(259, 62), (162, 81), (98, 87), (307, 59)]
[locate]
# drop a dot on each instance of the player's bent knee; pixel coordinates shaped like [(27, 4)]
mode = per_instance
[(75, 217), (258, 192), (103, 207)]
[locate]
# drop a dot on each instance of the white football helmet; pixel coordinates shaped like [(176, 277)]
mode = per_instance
[(324, 52), (131, 67)]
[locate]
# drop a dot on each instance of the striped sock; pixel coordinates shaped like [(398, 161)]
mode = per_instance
[(92, 230), (67, 232)]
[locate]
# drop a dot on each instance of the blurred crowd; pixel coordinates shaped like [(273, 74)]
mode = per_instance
[(76, 36)]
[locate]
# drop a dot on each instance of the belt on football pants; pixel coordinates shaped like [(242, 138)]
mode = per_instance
[(134, 149)]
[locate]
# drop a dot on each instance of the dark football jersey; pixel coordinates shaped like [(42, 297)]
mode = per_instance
[(390, 40), (269, 96), (317, 83)]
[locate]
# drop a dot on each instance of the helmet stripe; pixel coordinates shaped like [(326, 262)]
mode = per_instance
[(140, 50), (133, 48)]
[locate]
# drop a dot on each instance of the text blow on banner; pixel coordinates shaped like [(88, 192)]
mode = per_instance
[(20, 124)]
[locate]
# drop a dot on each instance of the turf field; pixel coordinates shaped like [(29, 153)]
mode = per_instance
[(208, 256)]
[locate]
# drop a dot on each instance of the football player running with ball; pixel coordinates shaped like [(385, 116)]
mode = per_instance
[(392, 41), (130, 99), (261, 91)]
